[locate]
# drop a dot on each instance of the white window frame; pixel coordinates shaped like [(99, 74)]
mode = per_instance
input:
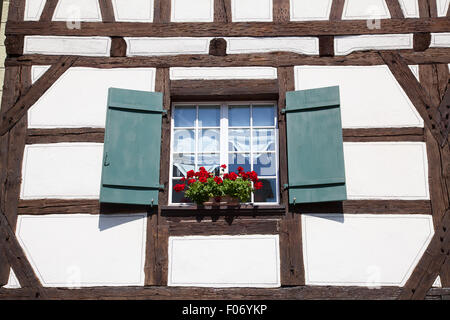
[(224, 153)]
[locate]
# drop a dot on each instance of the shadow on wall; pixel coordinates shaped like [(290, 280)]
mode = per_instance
[(113, 215), (321, 207)]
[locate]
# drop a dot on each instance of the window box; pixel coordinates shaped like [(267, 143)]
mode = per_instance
[(223, 210)]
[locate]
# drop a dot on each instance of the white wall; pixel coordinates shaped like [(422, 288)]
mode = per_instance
[(55, 45), (77, 10), (192, 11), (410, 8), (62, 170), (370, 95), (140, 11), (442, 7), (367, 9), (251, 10), (84, 92), (440, 40), (301, 45), (210, 73), (363, 250), (386, 170), (302, 10), (166, 46), (33, 9), (85, 250), (344, 45), (224, 261)]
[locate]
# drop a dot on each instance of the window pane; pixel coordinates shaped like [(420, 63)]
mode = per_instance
[(239, 116), (184, 141), (182, 163), (264, 164), (236, 160), (263, 115), (209, 140), (268, 193), (264, 139), (178, 197), (211, 162), (239, 140), (184, 116), (209, 116)]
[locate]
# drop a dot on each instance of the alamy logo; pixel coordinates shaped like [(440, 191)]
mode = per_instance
[(74, 18), (374, 23)]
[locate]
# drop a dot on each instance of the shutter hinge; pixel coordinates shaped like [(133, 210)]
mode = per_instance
[(106, 162)]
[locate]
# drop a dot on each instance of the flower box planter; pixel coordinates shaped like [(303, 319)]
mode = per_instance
[(222, 201)]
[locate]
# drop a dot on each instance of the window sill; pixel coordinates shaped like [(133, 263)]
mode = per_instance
[(241, 210)]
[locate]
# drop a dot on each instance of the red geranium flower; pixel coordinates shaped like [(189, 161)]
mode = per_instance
[(218, 180), (202, 180), (240, 169), (183, 179), (226, 176), (191, 181), (258, 185), (233, 176), (202, 169), (178, 187), (252, 175), (190, 173), (223, 166)]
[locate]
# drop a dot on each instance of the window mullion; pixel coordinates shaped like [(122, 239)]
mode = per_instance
[(224, 134)]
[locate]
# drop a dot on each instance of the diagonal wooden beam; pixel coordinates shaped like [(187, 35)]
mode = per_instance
[(395, 9), (48, 11), (415, 92), (107, 10), (12, 116), (337, 8)]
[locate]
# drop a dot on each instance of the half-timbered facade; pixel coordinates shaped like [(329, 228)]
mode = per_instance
[(340, 106)]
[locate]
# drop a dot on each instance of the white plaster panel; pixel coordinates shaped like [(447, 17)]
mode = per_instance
[(386, 170), (251, 10), (80, 46), (367, 9), (139, 11), (13, 283), (37, 72), (209, 73), (33, 9), (77, 10), (415, 69), (192, 11), (85, 250), (302, 10), (410, 8), (344, 45), (224, 261), (442, 7), (440, 40), (370, 95), (363, 249), (302, 45), (166, 46), (79, 97), (62, 171), (437, 283)]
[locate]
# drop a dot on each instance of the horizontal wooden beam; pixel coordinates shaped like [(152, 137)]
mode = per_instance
[(231, 227), (188, 90), (62, 206), (195, 293), (36, 136), (236, 29)]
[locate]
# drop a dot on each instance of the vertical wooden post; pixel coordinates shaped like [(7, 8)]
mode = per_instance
[(222, 11), (291, 250), (281, 11), (161, 11)]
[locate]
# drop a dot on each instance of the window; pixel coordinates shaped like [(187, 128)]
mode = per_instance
[(235, 134)]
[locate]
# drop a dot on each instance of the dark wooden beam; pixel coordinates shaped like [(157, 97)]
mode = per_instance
[(337, 8), (421, 41), (438, 294), (395, 9), (431, 263), (161, 11), (326, 46), (222, 11), (236, 227), (218, 47), (383, 134), (237, 29), (415, 92), (177, 293), (188, 90), (106, 7), (281, 11), (20, 108), (16, 11), (156, 263), (49, 10), (118, 47), (272, 59)]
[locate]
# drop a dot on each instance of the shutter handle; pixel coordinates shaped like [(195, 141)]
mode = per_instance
[(106, 162)]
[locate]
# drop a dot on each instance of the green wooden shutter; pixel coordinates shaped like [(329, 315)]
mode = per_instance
[(315, 146), (131, 154)]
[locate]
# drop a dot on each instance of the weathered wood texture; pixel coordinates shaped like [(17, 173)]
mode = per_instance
[(161, 11), (326, 46), (177, 293), (281, 11), (438, 294), (16, 11), (107, 10), (218, 47), (236, 227), (222, 11), (183, 90), (395, 9), (156, 264), (49, 10), (431, 263), (427, 8), (421, 41), (20, 108), (416, 94), (337, 9), (291, 249), (118, 47), (236, 29), (271, 59)]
